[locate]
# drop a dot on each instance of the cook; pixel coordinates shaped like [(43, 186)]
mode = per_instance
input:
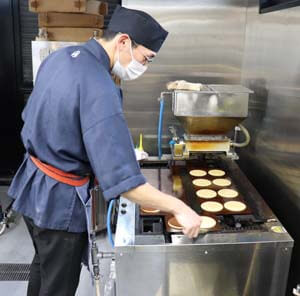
[(74, 129)]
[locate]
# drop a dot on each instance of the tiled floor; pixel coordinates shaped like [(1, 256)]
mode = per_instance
[(16, 247)]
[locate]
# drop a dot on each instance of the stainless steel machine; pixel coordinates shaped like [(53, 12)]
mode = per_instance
[(246, 253), (207, 116)]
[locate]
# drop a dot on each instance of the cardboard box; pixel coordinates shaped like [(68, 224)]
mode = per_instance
[(80, 20), (83, 6), (70, 34)]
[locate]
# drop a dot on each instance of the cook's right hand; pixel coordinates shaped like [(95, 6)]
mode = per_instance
[(190, 221)]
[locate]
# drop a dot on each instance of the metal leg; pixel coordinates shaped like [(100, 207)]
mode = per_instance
[(5, 218), (95, 263), (95, 254)]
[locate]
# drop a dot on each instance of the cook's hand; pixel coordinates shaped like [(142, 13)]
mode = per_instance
[(190, 221)]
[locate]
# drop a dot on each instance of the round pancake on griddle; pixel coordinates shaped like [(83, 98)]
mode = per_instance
[(207, 222), (201, 182), (212, 206), (235, 206), (150, 210), (228, 193), (216, 173), (206, 193), (198, 173), (222, 182), (173, 223)]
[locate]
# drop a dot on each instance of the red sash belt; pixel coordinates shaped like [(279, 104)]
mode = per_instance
[(58, 175)]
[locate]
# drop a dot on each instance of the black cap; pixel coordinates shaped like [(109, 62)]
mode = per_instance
[(140, 26)]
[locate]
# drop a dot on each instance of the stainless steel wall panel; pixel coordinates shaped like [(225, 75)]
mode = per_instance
[(271, 68), (205, 44)]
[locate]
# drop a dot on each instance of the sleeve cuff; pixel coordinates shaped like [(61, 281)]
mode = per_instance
[(124, 186)]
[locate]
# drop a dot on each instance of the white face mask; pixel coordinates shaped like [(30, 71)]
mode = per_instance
[(132, 71)]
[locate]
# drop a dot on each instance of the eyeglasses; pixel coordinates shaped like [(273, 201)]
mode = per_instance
[(147, 60)]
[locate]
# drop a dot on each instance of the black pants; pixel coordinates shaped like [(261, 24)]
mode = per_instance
[(56, 266)]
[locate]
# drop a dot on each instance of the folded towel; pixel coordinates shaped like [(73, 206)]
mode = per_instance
[(184, 85)]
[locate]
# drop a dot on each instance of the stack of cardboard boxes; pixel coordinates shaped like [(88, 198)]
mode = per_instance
[(69, 20)]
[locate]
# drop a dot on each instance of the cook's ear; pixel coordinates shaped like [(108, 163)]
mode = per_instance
[(122, 40)]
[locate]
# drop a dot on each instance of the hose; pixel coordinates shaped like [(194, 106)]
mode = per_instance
[(160, 126), (247, 138), (108, 222)]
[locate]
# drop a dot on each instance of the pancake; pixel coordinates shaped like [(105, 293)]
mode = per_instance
[(207, 222), (228, 193), (216, 173), (173, 223), (235, 206), (149, 210), (201, 182), (206, 193), (212, 206), (221, 182), (198, 173)]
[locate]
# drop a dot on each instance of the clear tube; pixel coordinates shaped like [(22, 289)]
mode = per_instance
[(97, 287)]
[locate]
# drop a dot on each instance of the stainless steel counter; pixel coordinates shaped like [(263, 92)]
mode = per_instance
[(252, 262)]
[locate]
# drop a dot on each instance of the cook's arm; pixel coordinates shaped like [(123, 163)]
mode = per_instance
[(148, 196)]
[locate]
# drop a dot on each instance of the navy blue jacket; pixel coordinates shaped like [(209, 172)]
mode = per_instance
[(73, 121)]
